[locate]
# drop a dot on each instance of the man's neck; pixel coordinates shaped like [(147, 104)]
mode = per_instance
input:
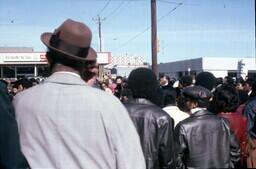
[(62, 68)]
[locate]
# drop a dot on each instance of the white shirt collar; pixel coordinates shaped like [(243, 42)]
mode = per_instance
[(196, 109), (70, 73)]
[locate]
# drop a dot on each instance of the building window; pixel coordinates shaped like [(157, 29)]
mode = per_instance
[(8, 72)]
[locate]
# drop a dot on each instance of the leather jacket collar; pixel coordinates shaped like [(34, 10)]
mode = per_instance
[(141, 101), (202, 113)]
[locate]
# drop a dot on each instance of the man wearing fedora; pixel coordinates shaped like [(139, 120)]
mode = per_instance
[(64, 122)]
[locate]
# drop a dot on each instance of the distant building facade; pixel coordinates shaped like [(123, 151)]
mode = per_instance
[(19, 62), (220, 67), (123, 64)]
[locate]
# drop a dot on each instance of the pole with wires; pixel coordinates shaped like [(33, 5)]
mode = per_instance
[(154, 37), (101, 67), (99, 21)]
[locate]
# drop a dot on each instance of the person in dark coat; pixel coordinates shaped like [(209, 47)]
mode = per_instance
[(204, 140), (154, 126), (250, 113), (11, 156)]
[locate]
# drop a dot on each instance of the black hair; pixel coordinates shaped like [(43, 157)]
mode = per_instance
[(225, 99), (186, 80), (24, 82), (206, 79), (243, 96), (143, 84), (170, 96)]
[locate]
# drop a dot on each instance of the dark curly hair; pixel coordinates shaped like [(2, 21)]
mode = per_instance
[(225, 99)]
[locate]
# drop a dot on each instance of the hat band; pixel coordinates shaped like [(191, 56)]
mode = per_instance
[(57, 43)]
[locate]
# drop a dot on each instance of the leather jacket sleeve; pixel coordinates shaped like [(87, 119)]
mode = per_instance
[(234, 146), (180, 146), (250, 112), (166, 143)]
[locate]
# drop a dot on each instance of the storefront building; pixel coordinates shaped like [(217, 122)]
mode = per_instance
[(24, 62)]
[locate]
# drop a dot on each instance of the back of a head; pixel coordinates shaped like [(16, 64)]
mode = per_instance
[(206, 79), (186, 81), (198, 94), (250, 81), (25, 83), (69, 44), (170, 96), (143, 83), (225, 99)]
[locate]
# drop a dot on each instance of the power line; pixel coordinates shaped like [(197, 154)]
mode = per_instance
[(116, 9), (170, 2), (145, 30), (162, 17), (137, 35), (98, 15), (104, 7)]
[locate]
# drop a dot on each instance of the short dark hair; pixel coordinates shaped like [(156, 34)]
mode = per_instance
[(55, 57), (225, 99), (206, 79), (250, 81), (143, 83), (186, 80), (24, 82), (170, 96)]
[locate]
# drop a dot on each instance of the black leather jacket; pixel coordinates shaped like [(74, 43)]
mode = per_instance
[(204, 140), (155, 128), (250, 113)]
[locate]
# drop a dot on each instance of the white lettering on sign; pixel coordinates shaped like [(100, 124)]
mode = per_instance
[(20, 58)]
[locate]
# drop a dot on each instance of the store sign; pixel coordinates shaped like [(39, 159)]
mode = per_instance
[(18, 58), (103, 57), (8, 58), (40, 58)]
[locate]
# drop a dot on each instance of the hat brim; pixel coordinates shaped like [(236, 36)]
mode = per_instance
[(45, 38)]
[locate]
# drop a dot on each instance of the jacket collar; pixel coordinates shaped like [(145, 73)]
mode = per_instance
[(202, 113), (65, 78), (141, 101)]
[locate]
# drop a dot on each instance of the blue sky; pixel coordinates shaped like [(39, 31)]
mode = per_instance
[(198, 28)]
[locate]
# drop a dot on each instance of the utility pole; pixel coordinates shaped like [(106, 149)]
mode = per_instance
[(154, 37), (99, 20), (101, 67)]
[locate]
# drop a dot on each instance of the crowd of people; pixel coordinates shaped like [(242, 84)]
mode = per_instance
[(73, 120)]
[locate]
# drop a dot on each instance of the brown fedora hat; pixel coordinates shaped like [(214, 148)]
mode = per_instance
[(92, 54), (72, 38)]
